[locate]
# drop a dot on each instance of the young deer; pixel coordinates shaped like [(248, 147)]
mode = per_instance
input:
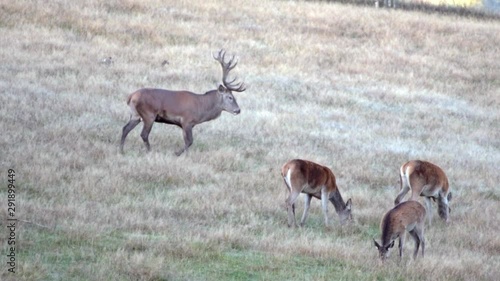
[(429, 181), (313, 180), (407, 216)]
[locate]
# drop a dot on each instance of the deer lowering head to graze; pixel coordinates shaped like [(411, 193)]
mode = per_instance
[(407, 216), (313, 180), (429, 181), (182, 108)]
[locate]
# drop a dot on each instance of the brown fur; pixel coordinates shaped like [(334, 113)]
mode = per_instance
[(313, 180), (407, 216), (427, 180), (181, 108)]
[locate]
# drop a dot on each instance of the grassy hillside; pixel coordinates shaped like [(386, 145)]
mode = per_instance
[(361, 90)]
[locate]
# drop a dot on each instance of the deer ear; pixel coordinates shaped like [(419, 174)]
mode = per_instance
[(390, 245), (348, 205), (449, 197), (221, 89), (376, 244)]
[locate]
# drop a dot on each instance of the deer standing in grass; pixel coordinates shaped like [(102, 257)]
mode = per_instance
[(407, 216), (313, 180), (182, 108), (429, 181)]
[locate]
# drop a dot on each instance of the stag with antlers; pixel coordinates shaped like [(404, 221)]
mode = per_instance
[(182, 108)]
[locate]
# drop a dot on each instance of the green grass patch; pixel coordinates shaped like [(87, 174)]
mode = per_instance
[(248, 265), (45, 254)]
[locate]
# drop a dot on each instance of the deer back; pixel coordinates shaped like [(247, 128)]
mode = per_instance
[(403, 216), (425, 179), (308, 177)]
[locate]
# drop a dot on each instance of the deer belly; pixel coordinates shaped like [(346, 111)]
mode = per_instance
[(430, 191), (311, 190), (173, 120), (411, 226), (160, 119)]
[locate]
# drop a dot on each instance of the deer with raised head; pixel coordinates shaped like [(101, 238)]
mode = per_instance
[(182, 108), (314, 180), (429, 181), (407, 216)]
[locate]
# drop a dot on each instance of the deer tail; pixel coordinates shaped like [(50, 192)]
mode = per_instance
[(409, 170), (286, 173)]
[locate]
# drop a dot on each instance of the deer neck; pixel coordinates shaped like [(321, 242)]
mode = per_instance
[(337, 201), (387, 231), (209, 106)]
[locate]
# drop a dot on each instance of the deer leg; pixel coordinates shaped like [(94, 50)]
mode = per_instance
[(148, 124), (401, 243), (290, 207), (307, 204), (428, 206), (443, 208), (324, 204), (415, 236), (126, 129), (420, 233), (405, 187), (188, 139)]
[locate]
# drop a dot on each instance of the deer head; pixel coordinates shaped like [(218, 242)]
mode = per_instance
[(229, 103), (383, 251)]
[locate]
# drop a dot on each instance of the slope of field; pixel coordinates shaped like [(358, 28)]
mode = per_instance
[(361, 90)]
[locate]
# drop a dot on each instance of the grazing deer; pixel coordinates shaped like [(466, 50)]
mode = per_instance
[(182, 108), (429, 181), (407, 216), (313, 180)]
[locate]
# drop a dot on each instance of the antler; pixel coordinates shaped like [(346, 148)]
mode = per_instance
[(226, 67)]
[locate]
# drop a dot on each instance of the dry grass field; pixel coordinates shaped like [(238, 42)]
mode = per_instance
[(358, 89)]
